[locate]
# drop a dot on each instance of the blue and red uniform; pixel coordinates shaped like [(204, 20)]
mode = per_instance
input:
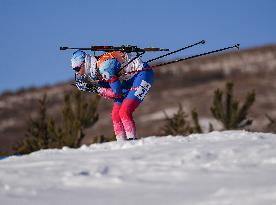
[(127, 91)]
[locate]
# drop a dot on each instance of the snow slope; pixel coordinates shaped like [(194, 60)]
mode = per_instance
[(233, 167)]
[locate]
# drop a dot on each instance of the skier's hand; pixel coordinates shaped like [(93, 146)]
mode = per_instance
[(81, 85), (88, 87), (92, 88)]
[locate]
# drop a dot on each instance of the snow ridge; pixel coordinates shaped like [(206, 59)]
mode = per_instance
[(215, 168)]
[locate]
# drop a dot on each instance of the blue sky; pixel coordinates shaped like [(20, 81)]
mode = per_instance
[(32, 31)]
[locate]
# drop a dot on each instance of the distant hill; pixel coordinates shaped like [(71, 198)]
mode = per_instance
[(190, 83)]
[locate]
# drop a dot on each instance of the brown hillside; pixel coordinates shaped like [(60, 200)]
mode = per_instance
[(191, 82)]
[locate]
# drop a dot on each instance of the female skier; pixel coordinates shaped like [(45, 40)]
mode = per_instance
[(127, 89)]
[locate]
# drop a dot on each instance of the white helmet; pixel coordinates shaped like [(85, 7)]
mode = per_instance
[(77, 58), (91, 67)]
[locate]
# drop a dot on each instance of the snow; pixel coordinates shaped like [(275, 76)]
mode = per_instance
[(231, 167)]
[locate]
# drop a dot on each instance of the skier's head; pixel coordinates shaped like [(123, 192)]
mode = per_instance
[(78, 60), (85, 64)]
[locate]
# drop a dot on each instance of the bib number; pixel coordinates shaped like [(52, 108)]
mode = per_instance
[(142, 90)]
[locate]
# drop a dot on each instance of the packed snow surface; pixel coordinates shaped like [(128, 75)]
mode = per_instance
[(232, 167)]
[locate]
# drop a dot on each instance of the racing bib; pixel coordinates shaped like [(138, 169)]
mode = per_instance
[(142, 90)]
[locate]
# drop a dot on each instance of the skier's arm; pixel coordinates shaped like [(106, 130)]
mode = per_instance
[(108, 71), (100, 88), (103, 89), (113, 92)]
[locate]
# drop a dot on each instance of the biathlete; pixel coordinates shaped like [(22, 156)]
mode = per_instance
[(126, 88)]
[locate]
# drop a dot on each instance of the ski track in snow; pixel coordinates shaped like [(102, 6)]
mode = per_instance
[(231, 167)]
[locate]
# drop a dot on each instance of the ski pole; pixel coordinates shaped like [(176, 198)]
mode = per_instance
[(183, 59), (198, 55), (162, 56), (181, 49), (133, 59)]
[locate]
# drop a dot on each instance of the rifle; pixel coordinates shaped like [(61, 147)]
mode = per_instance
[(123, 48), (132, 49), (140, 51)]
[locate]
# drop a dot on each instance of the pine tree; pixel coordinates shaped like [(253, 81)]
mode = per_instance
[(79, 113), (228, 110), (197, 128), (178, 124), (37, 136), (57, 136)]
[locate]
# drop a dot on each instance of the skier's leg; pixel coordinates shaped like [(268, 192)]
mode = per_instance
[(117, 123), (126, 110), (141, 86)]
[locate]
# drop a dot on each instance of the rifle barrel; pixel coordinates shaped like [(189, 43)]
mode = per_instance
[(127, 49)]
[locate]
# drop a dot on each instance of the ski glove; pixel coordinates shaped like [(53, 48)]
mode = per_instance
[(83, 84), (92, 88), (88, 87)]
